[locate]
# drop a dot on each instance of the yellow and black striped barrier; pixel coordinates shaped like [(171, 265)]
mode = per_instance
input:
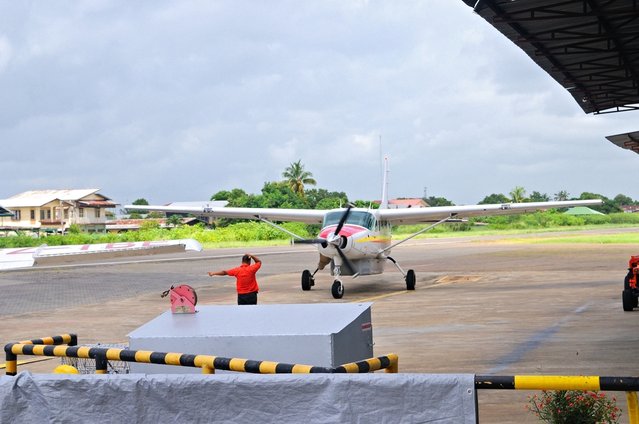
[(11, 364), (208, 363), (630, 385), (68, 339), (557, 382)]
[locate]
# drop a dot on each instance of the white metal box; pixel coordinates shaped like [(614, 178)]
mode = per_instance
[(325, 335)]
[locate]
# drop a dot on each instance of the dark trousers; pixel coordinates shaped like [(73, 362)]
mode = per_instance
[(247, 299)]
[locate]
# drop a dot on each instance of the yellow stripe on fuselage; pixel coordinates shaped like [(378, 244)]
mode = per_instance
[(373, 239)]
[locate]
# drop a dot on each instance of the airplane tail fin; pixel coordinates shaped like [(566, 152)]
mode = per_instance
[(384, 203)]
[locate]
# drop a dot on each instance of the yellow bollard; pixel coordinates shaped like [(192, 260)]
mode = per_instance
[(633, 407), (208, 370), (12, 367), (394, 363)]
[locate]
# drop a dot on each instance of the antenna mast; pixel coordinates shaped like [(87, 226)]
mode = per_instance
[(384, 203)]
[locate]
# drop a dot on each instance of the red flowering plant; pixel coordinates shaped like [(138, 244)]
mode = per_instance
[(574, 406)]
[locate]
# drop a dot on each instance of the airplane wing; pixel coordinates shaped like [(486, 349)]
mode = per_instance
[(309, 216), (437, 213), (395, 216)]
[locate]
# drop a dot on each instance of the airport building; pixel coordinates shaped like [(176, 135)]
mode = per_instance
[(56, 210)]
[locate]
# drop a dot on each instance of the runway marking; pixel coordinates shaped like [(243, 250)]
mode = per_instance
[(381, 296)]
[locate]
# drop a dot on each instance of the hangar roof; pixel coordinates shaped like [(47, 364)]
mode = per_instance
[(628, 141), (590, 47)]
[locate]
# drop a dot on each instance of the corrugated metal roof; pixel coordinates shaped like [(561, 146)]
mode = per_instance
[(42, 197), (628, 141), (590, 47)]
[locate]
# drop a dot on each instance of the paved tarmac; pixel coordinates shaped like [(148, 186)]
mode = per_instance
[(482, 306)]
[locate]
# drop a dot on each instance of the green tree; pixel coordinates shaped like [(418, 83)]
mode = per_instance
[(518, 194), (622, 200), (297, 177), (174, 220), (438, 201), (536, 196), (608, 206), (562, 195), (236, 197), (330, 203), (365, 204), (279, 195), (141, 201), (494, 198), (317, 196)]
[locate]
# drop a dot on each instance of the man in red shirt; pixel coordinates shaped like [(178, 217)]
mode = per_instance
[(246, 282)]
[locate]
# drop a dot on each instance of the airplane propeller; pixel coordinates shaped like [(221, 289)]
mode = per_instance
[(335, 239), (343, 219)]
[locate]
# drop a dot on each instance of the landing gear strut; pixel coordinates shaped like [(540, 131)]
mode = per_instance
[(409, 276)]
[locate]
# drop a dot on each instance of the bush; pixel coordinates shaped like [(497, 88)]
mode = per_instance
[(624, 218), (74, 229), (574, 406), (150, 224)]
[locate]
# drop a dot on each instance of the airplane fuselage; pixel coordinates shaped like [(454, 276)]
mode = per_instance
[(362, 239)]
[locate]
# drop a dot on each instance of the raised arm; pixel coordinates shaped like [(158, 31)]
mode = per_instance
[(255, 258)]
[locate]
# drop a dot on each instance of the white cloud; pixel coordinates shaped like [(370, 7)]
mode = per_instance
[(188, 98)]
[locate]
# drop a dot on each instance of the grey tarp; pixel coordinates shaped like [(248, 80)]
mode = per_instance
[(239, 398)]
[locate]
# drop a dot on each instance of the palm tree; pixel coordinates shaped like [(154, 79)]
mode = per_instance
[(518, 194), (297, 177), (562, 195)]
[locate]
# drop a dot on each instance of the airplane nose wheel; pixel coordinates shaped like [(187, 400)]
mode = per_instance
[(410, 280), (307, 280), (337, 289)]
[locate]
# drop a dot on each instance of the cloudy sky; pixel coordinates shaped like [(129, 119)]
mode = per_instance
[(174, 101)]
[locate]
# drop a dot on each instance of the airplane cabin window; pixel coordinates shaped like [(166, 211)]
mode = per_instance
[(361, 218)]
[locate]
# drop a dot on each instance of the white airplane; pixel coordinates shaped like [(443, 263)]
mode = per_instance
[(357, 241)]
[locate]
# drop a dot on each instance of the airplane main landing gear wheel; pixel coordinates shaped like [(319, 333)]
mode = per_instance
[(410, 280), (337, 289), (307, 280)]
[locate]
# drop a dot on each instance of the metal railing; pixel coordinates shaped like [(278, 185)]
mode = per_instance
[(53, 346), (630, 385)]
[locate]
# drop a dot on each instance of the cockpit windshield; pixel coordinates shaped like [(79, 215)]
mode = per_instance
[(361, 218)]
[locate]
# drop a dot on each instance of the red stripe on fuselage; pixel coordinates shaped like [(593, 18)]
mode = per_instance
[(347, 230)]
